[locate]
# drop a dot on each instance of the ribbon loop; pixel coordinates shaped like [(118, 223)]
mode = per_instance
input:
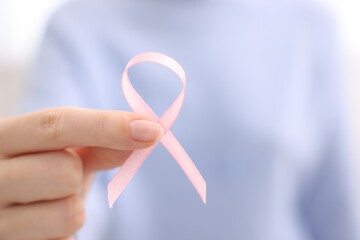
[(137, 158)]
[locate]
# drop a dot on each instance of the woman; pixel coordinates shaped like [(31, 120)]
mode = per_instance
[(263, 116)]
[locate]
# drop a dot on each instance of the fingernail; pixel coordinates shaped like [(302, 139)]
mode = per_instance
[(145, 131)]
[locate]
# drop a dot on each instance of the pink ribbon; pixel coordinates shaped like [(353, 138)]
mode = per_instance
[(137, 158)]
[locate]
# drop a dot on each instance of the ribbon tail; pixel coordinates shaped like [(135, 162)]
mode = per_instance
[(182, 158), (125, 174)]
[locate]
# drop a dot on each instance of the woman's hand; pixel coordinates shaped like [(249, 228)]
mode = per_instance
[(47, 160)]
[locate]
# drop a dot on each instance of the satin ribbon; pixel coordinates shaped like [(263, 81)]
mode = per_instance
[(137, 158)]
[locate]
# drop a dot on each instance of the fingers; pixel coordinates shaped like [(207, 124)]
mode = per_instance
[(51, 175), (44, 220), (74, 127), (45, 176)]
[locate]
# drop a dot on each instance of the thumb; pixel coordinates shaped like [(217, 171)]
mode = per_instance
[(140, 133), (145, 133), (97, 159), (68, 238)]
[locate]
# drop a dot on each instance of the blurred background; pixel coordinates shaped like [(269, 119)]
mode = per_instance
[(22, 24)]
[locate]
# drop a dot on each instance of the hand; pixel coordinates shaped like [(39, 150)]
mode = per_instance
[(47, 161)]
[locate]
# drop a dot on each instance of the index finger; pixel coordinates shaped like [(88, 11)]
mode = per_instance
[(61, 128)]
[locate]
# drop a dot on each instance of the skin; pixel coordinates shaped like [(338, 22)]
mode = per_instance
[(47, 163)]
